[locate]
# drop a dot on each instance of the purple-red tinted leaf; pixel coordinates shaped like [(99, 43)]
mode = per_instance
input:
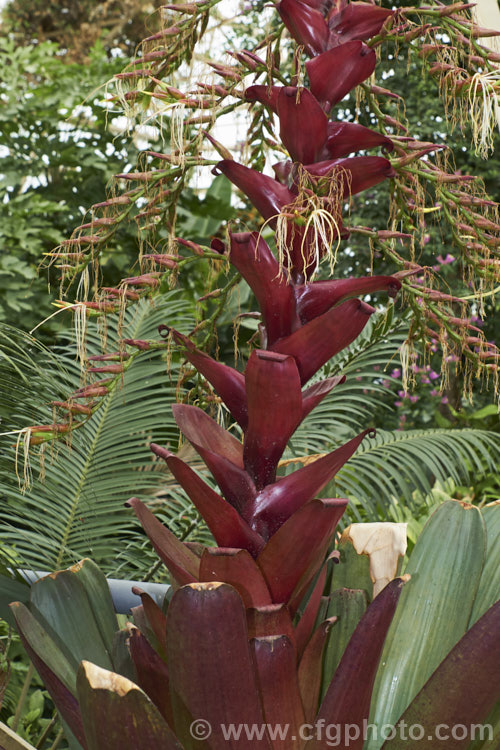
[(356, 21), (59, 677), (234, 482), (461, 691), (305, 625), (156, 618), (196, 547), (267, 195), (316, 298), (278, 501), (306, 25), (273, 619), (310, 669), (201, 429), (282, 170), (181, 562), (118, 715), (324, 336), (251, 256), (297, 549), (313, 395), (151, 672), (305, 249), (275, 658), (228, 382), (238, 569), (225, 523), (141, 621), (347, 699), (274, 412), (321, 5), (267, 95), (355, 173), (346, 137), (334, 73), (210, 665), (303, 124)]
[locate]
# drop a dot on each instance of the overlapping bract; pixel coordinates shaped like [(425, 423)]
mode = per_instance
[(272, 532), (218, 657), (268, 518), (321, 26), (319, 178)]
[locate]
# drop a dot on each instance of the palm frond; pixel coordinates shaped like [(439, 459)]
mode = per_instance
[(395, 464), (77, 509)]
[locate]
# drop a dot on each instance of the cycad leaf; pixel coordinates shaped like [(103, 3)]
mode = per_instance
[(397, 463), (77, 510)]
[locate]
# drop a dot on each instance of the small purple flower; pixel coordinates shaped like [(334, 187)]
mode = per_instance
[(446, 260), (396, 373), (433, 375), (414, 399), (444, 400), (434, 392)]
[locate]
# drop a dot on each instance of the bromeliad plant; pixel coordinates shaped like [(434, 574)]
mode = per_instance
[(216, 660), (242, 640)]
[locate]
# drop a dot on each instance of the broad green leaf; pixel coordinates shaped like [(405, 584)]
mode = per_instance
[(121, 654), (352, 570), (461, 691), (434, 610), (40, 642), (489, 586), (100, 601), (11, 590), (348, 606), (60, 601)]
